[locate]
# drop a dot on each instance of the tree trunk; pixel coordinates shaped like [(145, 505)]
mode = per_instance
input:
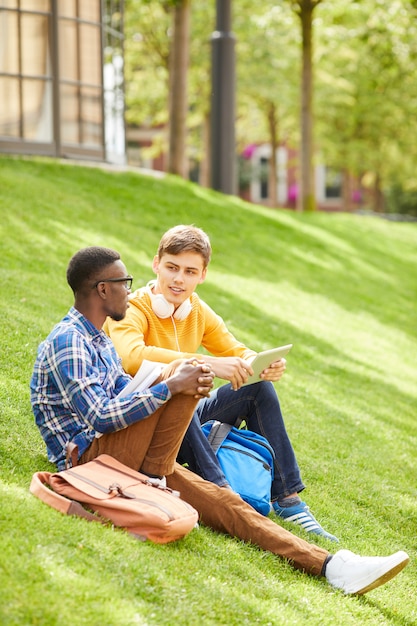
[(273, 164), (307, 196), (379, 201), (178, 102), (346, 190), (205, 175)]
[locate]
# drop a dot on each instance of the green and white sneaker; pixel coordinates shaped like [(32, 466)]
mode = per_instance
[(300, 514)]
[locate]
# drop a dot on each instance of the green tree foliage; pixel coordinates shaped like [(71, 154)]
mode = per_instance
[(364, 94), (367, 90), (147, 41), (149, 29), (268, 77)]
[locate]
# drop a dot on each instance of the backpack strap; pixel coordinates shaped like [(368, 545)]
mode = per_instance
[(38, 487), (219, 432), (71, 457)]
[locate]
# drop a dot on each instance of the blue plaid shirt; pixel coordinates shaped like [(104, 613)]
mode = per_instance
[(75, 381)]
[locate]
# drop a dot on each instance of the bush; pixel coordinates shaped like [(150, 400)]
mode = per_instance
[(400, 200)]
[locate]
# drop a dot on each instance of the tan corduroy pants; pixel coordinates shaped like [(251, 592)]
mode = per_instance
[(152, 445)]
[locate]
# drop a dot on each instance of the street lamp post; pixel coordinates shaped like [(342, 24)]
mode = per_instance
[(223, 151)]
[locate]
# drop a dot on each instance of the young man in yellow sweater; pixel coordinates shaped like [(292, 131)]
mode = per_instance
[(167, 320)]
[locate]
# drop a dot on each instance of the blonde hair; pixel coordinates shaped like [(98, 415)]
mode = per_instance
[(185, 239)]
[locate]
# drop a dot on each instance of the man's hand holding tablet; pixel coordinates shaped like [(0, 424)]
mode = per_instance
[(263, 360)]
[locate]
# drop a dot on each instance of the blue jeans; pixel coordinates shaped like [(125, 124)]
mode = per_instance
[(258, 405)]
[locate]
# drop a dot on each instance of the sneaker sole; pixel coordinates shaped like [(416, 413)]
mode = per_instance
[(399, 561)]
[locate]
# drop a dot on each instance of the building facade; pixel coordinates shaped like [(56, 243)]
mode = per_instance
[(61, 78)]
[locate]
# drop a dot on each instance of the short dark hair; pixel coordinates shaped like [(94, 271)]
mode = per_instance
[(185, 239), (87, 263)]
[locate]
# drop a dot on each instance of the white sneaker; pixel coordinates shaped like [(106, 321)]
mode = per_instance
[(360, 574)]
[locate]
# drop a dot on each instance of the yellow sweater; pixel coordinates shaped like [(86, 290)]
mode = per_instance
[(143, 335)]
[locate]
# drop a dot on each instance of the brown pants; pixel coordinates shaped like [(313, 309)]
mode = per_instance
[(152, 445), (224, 511)]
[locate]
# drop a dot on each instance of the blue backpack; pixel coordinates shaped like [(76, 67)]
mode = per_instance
[(247, 461)]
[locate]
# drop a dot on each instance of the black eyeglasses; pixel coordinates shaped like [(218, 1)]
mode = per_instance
[(127, 280)]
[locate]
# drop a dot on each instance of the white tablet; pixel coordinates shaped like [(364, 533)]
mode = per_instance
[(264, 360)]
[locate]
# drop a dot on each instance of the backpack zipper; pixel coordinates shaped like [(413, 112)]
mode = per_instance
[(245, 452), (267, 446)]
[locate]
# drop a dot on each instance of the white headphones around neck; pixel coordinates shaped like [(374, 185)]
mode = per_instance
[(164, 309)]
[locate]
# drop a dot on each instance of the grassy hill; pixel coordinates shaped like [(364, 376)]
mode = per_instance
[(341, 288)]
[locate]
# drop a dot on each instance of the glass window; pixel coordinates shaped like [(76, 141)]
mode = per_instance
[(69, 103), (35, 5), (333, 183), (114, 109), (90, 11), (9, 4), (9, 107), (35, 45), (36, 95), (113, 81), (67, 8), (113, 13), (9, 43), (68, 55), (91, 122), (263, 174), (37, 110), (90, 53), (116, 18)]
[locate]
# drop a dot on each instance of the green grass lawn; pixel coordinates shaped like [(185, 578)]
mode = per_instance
[(341, 288)]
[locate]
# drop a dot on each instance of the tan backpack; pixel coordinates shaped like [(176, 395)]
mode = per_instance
[(113, 492)]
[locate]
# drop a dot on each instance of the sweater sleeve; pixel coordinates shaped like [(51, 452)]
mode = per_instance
[(218, 340), (128, 337)]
